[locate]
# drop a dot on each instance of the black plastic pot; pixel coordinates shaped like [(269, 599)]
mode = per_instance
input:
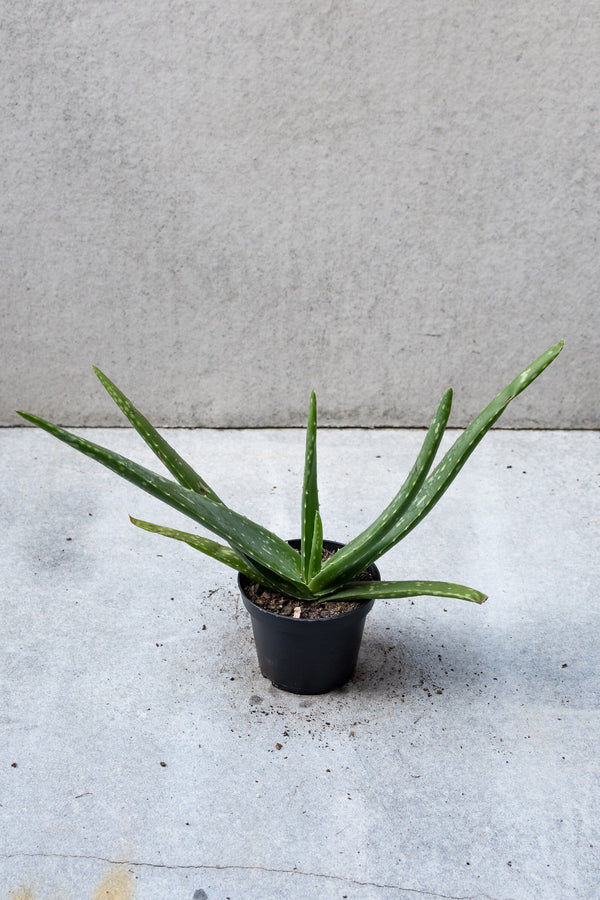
[(307, 656)]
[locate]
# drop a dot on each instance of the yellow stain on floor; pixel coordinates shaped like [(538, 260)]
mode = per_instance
[(25, 893), (117, 884)]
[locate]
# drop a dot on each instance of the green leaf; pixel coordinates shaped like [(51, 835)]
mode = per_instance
[(254, 540), (316, 553), (310, 494), (266, 577), (176, 465), (225, 555), (350, 560), (204, 545), (444, 474), (384, 590)]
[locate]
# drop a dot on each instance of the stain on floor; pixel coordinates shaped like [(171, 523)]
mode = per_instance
[(117, 884)]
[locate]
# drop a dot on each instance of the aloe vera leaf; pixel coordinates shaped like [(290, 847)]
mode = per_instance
[(177, 466), (316, 553), (384, 590), (351, 559), (310, 493), (266, 577), (223, 554), (444, 474), (204, 545), (256, 541)]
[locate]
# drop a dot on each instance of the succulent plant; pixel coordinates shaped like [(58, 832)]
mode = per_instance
[(268, 559)]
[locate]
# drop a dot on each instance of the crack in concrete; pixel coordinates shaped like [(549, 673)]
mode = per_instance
[(220, 868)]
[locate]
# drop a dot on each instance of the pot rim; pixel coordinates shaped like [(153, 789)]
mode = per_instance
[(253, 609), (364, 607)]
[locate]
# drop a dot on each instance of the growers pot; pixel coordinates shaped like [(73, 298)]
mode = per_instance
[(307, 656)]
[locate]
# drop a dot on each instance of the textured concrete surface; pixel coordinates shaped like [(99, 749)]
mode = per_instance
[(144, 757), (375, 200)]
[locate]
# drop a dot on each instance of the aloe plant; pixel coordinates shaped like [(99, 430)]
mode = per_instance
[(263, 556)]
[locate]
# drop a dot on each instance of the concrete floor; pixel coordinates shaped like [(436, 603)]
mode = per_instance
[(144, 757)]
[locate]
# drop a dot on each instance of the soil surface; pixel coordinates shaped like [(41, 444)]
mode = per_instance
[(283, 605)]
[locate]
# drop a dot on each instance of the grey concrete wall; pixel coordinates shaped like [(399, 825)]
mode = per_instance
[(224, 204)]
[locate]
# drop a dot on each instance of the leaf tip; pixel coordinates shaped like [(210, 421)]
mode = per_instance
[(100, 375), (138, 523), (29, 417), (555, 349)]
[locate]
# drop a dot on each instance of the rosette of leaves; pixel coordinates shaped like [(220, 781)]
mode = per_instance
[(268, 559)]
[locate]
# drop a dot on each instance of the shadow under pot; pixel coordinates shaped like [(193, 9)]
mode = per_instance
[(307, 655)]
